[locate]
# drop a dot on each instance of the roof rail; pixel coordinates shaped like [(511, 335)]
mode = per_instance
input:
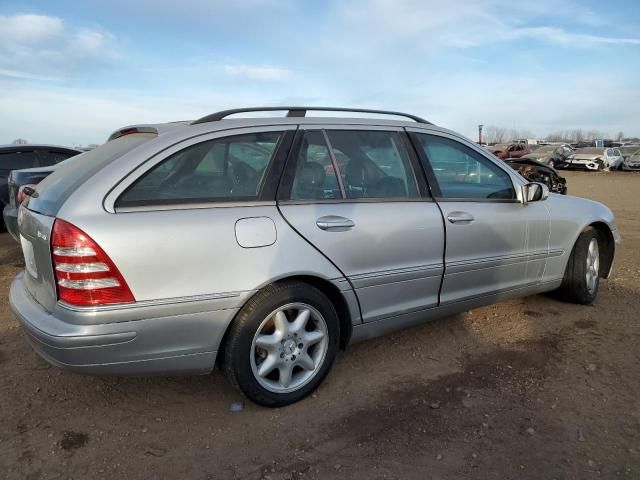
[(301, 112)]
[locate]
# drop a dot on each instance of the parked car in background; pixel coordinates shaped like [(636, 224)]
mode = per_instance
[(535, 171), (16, 157), (628, 150), (17, 182), (178, 246), (511, 150), (551, 155), (594, 158), (632, 162)]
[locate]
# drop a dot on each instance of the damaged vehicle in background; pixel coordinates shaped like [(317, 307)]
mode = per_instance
[(628, 150), (632, 162), (551, 155), (594, 158), (537, 172), (511, 150)]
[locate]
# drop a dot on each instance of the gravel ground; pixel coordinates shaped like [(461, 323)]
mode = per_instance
[(526, 389)]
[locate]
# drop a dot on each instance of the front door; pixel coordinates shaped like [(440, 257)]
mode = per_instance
[(353, 194), (488, 239)]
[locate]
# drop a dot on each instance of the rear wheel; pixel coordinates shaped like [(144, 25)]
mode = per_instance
[(282, 344), (582, 275)]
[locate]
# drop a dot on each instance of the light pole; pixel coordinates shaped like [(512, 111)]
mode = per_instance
[(480, 134)]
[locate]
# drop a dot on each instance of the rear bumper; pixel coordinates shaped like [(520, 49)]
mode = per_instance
[(149, 344), (10, 216)]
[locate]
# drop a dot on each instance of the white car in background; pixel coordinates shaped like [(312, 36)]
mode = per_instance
[(595, 158)]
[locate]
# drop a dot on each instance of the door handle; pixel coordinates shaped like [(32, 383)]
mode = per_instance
[(460, 217), (334, 222)]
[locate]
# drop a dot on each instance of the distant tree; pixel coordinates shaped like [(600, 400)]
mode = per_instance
[(493, 134), (620, 136), (20, 141), (556, 137), (578, 135)]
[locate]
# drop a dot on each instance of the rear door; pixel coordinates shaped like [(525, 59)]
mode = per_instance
[(491, 235), (352, 192)]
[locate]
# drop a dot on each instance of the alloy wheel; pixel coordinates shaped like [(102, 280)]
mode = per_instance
[(289, 347), (593, 265)]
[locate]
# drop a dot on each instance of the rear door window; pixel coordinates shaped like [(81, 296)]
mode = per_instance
[(353, 164), (315, 177), (225, 169), (373, 164)]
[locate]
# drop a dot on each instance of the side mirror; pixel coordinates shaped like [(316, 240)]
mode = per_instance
[(535, 192)]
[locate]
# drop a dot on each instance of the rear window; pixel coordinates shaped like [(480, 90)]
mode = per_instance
[(73, 172), (53, 157), (225, 169), (17, 160)]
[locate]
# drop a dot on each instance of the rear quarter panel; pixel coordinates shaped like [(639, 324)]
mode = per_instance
[(166, 254)]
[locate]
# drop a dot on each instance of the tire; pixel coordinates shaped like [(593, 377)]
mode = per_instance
[(272, 319), (581, 277)]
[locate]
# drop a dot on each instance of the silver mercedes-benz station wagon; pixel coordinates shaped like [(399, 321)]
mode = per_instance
[(265, 244)]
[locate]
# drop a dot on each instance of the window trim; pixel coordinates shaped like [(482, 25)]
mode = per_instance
[(286, 182), (266, 195), (433, 181)]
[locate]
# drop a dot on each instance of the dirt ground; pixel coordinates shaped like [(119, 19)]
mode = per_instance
[(527, 389)]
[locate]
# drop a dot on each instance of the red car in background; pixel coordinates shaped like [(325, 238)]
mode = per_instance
[(510, 150)]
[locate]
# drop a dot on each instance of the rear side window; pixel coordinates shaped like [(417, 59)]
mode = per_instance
[(462, 173), (224, 169), (17, 160), (70, 174)]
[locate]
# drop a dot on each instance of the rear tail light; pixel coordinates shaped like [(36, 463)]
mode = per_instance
[(85, 275), (21, 193)]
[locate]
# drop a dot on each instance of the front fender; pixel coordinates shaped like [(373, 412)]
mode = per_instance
[(569, 216)]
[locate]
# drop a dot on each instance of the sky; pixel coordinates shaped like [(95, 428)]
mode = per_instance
[(72, 71)]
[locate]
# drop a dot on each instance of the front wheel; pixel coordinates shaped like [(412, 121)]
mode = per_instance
[(282, 344), (582, 275)]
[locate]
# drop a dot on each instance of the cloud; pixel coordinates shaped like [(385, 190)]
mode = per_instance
[(39, 47), (257, 72), (569, 39), (431, 24), (24, 30)]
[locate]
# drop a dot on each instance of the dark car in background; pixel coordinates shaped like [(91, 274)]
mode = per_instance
[(19, 157)]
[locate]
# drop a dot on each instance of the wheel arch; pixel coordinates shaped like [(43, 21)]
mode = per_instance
[(336, 297), (607, 246), (333, 293)]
